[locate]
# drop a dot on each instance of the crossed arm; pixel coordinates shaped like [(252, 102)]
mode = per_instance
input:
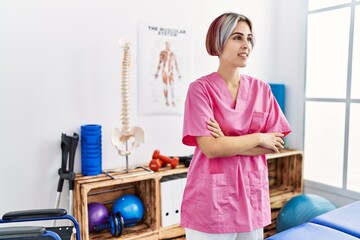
[(220, 145)]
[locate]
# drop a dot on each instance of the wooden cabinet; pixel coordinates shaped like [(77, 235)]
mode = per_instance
[(285, 180), (285, 177), (103, 189)]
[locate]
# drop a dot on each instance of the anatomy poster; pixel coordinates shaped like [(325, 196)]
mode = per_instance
[(163, 68)]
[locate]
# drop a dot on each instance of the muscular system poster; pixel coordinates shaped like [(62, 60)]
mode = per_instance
[(164, 54)]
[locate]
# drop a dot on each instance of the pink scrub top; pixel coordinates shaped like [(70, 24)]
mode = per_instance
[(228, 194)]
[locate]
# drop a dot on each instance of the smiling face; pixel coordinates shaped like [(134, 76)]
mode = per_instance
[(237, 47)]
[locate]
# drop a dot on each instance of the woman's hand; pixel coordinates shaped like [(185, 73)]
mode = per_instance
[(215, 129), (272, 141)]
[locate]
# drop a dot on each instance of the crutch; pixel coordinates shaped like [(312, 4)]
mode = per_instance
[(66, 172)]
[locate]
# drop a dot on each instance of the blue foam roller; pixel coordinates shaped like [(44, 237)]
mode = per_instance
[(345, 219), (91, 149)]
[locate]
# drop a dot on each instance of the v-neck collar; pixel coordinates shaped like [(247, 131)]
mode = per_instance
[(242, 94)]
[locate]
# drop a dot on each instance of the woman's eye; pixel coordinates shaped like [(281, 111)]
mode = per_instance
[(238, 37)]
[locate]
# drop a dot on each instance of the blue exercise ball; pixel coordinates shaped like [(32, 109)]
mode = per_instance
[(301, 209), (131, 208)]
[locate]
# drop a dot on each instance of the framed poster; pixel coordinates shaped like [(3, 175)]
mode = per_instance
[(164, 54)]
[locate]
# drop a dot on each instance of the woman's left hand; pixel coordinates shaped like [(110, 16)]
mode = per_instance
[(215, 129)]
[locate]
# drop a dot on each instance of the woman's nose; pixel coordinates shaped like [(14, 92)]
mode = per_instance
[(245, 45)]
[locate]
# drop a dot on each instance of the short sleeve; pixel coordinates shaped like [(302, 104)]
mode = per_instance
[(276, 121), (198, 110)]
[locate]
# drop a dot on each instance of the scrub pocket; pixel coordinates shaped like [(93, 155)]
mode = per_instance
[(258, 121), (259, 189), (212, 199)]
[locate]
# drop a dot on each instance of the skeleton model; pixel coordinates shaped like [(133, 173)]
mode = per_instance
[(128, 138)]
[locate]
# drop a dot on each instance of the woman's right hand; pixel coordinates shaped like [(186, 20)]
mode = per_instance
[(272, 141), (215, 129)]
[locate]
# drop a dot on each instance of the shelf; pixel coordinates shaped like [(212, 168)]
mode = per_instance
[(171, 232), (106, 190), (285, 171), (284, 153), (285, 179)]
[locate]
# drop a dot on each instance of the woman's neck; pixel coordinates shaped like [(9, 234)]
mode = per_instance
[(230, 75)]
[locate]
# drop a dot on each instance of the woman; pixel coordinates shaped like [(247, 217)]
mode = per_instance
[(233, 120)]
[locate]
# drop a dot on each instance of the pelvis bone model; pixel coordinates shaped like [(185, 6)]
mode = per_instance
[(129, 136)]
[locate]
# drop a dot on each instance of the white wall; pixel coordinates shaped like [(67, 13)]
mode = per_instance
[(290, 62), (60, 68)]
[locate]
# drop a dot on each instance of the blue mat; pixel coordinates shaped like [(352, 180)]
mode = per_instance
[(345, 219), (311, 231)]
